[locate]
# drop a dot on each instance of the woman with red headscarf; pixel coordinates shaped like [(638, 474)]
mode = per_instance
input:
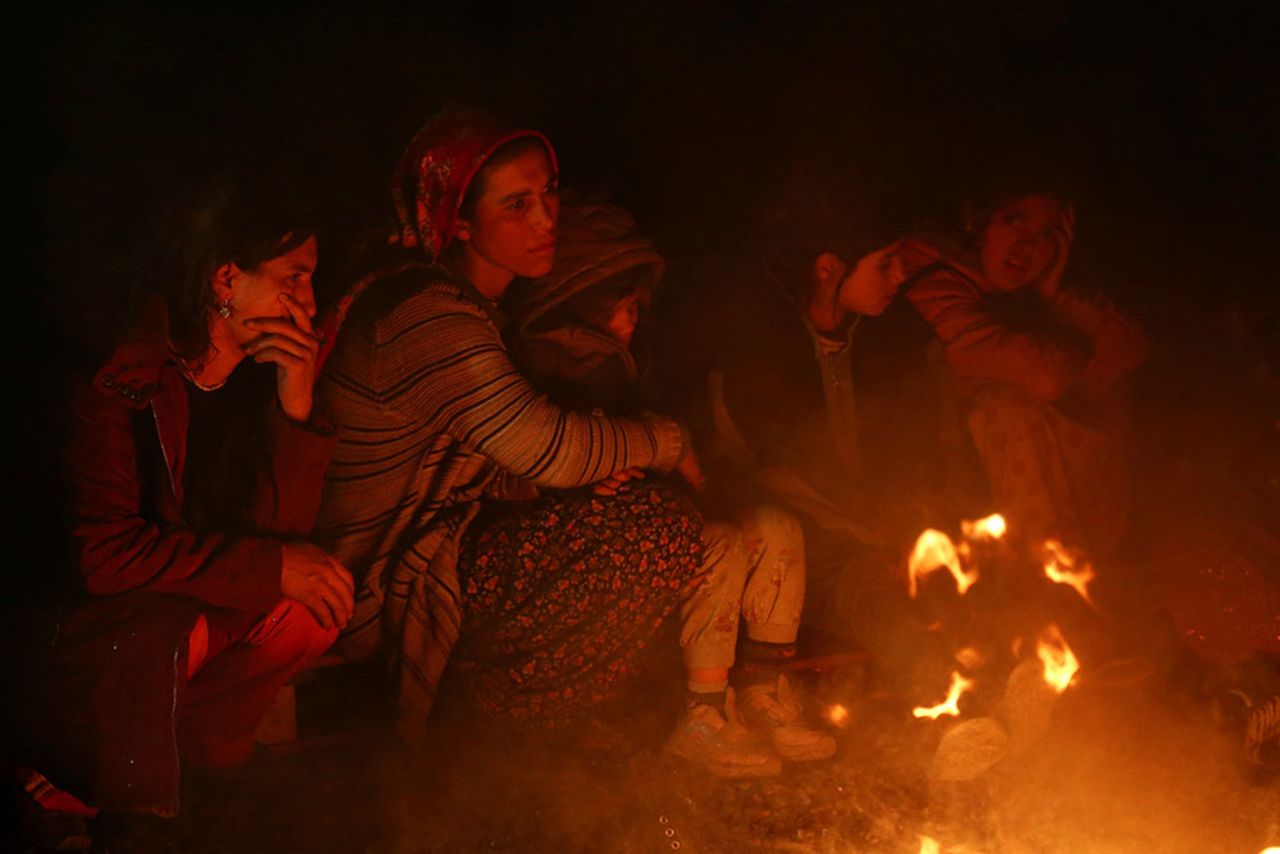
[(434, 418)]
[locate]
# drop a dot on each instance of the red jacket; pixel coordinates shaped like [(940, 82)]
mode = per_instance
[(952, 297), (110, 687)]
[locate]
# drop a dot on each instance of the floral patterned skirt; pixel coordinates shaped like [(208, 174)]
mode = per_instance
[(561, 594)]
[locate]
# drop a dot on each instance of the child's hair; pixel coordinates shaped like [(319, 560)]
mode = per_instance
[(595, 306), (1007, 181), (235, 218)]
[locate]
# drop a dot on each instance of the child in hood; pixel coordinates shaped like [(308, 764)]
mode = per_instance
[(578, 336)]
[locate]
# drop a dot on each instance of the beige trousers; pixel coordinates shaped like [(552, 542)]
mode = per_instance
[(1052, 476), (752, 572)]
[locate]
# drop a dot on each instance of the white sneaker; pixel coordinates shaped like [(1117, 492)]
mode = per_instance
[(774, 709), (721, 743)]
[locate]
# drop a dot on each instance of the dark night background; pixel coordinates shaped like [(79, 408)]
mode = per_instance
[(690, 113)]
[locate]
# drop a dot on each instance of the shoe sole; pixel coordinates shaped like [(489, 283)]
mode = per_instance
[(735, 772), (812, 754)]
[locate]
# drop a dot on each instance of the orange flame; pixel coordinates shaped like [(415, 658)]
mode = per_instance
[(934, 550), (1060, 663), (990, 527), (950, 705), (838, 715), (1066, 567), (929, 845)]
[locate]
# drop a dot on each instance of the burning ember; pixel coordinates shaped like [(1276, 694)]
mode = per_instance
[(1065, 567), (970, 658), (934, 550), (988, 528), (1060, 664), (949, 706), (929, 845), (838, 715)]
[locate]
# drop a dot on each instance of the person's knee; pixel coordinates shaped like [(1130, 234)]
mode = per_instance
[(1007, 408), (197, 645), (724, 554), (774, 527), (294, 633)]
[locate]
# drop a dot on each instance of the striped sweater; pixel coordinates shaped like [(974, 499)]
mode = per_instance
[(432, 418)]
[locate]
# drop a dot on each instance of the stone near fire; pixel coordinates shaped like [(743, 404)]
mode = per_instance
[(969, 749), (1028, 704)]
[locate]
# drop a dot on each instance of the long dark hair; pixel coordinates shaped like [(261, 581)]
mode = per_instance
[(230, 219)]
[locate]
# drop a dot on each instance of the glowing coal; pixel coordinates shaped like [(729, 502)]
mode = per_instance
[(991, 527)]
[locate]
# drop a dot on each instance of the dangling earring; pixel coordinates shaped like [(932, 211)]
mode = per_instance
[(224, 307)]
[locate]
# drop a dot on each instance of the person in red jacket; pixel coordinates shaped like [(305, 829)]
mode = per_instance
[(192, 477), (1039, 366)]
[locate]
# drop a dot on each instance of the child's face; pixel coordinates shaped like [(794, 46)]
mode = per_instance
[(623, 320), (1018, 244)]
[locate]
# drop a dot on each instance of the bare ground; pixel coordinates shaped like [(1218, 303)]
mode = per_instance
[(1123, 768)]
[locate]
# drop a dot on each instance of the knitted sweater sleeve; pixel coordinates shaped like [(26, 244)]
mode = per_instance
[(440, 358)]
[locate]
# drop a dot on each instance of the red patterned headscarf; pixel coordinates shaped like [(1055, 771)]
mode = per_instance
[(437, 168)]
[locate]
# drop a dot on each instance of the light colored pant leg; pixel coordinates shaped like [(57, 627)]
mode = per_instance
[(774, 595), (1051, 476), (710, 613)]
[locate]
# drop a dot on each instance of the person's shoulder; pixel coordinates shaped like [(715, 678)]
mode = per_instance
[(131, 371), (938, 269), (410, 294)]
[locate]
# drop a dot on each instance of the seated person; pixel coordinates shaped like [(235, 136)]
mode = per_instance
[(1040, 366), (777, 339), (574, 334), (434, 422), (193, 466)]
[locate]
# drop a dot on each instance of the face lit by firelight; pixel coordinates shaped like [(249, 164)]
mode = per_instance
[(255, 294), (624, 318), (514, 226), (1020, 241)]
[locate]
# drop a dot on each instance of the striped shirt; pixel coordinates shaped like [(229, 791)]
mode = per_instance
[(432, 416)]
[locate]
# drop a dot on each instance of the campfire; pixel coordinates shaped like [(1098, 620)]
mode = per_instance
[(935, 550)]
